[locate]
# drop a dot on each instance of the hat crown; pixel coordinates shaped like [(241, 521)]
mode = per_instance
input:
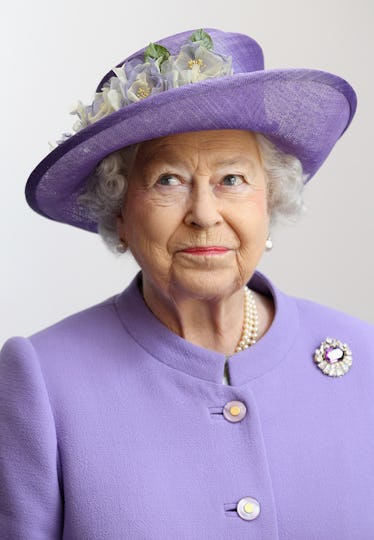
[(246, 53)]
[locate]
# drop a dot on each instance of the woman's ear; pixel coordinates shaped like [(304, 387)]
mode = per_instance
[(120, 226), (122, 246)]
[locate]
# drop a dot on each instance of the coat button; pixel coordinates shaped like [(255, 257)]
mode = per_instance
[(234, 411), (248, 508)]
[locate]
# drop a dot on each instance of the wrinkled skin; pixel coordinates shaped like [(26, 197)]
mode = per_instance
[(202, 189)]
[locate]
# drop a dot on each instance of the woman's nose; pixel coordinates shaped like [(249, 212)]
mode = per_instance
[(204, 208)]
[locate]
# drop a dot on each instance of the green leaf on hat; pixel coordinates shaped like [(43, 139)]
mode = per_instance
[(201, 35), (154, 51)]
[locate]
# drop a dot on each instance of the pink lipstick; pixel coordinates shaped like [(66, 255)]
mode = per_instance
[(209, 250)]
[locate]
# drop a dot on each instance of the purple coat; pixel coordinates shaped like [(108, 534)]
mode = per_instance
[(113, 427)]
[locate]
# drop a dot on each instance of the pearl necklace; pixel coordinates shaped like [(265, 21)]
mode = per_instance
[(250, 323)]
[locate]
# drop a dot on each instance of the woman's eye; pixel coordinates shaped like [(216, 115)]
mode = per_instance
[(232, 180), (168, 180)]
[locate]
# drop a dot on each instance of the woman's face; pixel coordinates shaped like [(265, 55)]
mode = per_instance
[(195, 214)]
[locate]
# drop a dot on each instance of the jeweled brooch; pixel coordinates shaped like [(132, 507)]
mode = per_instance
[(333, 357)]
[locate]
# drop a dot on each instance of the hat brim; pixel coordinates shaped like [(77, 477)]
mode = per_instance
[(302, 111)]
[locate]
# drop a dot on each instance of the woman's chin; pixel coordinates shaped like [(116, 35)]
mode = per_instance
[(206, 283)]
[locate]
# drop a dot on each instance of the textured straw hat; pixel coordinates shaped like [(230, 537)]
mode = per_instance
[(192, 81)]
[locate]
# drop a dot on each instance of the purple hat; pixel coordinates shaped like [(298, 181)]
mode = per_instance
[(192, 81)]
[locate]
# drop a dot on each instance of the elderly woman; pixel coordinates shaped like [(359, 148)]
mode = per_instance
[(201, 402)]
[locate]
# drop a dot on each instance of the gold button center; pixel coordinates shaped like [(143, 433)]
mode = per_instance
[(235, 410), (249, 508)]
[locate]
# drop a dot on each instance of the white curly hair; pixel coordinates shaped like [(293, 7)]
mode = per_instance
[(106, 187)]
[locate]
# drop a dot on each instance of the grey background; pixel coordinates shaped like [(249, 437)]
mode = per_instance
[(54, 53)]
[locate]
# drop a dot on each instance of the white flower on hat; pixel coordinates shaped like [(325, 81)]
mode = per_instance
[(142, 79), (136, 80), (195, 63)]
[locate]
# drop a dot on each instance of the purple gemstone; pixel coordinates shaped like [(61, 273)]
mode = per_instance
[(333, 354)]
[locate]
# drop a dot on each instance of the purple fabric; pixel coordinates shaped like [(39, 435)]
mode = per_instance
[(111, 427), (303, 111)]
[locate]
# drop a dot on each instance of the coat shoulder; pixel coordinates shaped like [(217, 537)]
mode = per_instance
[(73, 339), (75, 326), (323, 321), (310, 309)]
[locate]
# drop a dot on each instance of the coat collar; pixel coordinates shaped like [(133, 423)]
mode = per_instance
[(178, 353)]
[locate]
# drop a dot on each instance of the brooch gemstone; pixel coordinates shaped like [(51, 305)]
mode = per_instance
[(333, 357)]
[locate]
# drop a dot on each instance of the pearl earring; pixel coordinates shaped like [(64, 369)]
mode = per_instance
[(121, 247), (268, 244)]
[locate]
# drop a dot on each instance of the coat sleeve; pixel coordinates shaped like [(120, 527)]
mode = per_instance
[(30, 498)]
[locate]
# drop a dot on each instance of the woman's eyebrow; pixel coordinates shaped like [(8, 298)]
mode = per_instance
[(157, 164), (234, 161), (157, 161), (160, 163)]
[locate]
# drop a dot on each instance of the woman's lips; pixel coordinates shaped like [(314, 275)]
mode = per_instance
[(208, 250)]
